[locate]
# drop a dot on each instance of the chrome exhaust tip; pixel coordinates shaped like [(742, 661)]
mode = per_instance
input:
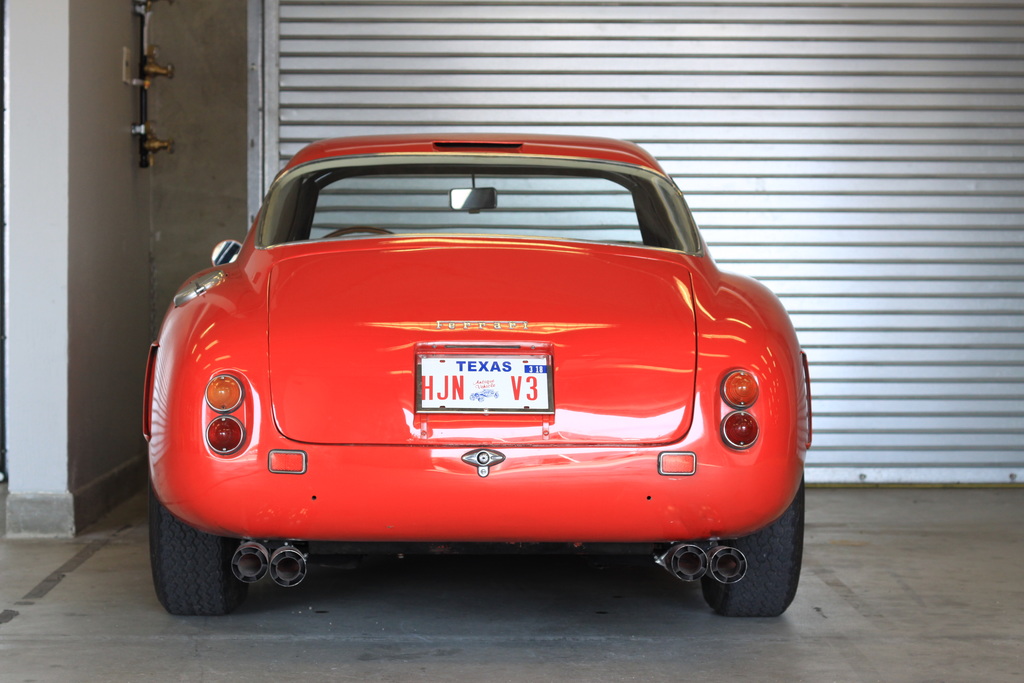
[(287, 566), (684, 561), (726, 564), (250, 562)]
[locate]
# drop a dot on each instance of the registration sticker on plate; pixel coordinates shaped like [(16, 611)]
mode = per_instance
[(519, 383)]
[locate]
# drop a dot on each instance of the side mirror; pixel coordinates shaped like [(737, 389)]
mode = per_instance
[(225, 252), (473, 199)]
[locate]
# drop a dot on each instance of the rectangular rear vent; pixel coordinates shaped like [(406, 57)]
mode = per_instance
[(478, 145)]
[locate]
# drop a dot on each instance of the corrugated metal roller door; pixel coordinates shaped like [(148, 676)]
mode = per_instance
[(865, 160)]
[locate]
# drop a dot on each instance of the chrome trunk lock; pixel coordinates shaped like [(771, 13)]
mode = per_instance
[(483, 459)]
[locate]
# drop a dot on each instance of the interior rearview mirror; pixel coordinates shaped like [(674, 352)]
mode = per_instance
[(473, 199)]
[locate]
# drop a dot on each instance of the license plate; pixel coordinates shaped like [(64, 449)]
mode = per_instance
[(518, 383)]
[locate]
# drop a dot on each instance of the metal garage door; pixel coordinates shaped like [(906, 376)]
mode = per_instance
[(863, 159)]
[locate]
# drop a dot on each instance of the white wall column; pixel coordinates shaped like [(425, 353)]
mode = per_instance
[(36, 272)]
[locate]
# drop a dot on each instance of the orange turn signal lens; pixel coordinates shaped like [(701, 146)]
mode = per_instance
[(225, 435), (224, 393), (740, 430), (740, 389)]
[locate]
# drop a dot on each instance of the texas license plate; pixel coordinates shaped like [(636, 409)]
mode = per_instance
[(482, 383)]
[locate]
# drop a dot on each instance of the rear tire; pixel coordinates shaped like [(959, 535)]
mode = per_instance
[(191, 569), (774, 555)]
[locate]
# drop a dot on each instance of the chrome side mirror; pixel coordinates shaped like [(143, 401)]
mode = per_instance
[(225, 252)]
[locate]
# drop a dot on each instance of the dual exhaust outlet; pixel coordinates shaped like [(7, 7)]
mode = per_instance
[(689, 562), (252, 561)]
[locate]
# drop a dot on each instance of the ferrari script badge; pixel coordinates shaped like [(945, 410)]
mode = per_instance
[(483, 325), (483, 459)]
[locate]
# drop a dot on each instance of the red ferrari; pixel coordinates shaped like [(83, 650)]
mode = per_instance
[(474, 343)]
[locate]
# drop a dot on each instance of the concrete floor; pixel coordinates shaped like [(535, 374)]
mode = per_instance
[(919, 585)]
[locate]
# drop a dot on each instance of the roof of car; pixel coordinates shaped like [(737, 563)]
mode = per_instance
[(602, 149)]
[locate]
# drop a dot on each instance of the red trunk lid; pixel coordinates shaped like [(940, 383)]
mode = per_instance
[(346, 327)]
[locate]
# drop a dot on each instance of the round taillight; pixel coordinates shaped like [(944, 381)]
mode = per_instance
[(224, 393), (740, 430), (225, 435), (740, 389)]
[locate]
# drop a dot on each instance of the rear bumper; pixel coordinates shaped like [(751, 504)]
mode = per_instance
[(535, 495)]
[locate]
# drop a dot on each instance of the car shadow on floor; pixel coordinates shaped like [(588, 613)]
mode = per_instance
[(552, 592)]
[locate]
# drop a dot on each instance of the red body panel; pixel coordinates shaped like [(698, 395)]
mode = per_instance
[(344, 327), (334, 378)]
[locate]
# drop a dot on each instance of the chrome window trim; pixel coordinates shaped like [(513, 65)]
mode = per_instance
[(686, 228)]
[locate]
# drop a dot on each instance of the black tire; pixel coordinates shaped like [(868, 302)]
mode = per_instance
[(191, 569), (774, 555)]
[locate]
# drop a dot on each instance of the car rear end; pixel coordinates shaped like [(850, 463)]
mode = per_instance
[(594, 384)]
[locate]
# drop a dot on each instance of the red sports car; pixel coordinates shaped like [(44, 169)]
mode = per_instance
[(474, 344)]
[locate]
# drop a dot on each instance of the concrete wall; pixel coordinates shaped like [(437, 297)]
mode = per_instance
[(108, 264), (85, 224), (199, 192)]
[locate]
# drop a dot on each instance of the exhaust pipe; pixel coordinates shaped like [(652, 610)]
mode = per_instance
[(726, 564), (684, 561), (250, 562), (287, 566)]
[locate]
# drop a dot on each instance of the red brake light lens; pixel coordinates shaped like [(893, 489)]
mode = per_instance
[(225, 435), (740, 430), (224, 393), (739, 389)]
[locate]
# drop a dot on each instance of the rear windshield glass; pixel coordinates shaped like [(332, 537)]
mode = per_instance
[(359, 198)]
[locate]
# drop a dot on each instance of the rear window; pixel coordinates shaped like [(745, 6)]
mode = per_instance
[(369, 197), (547, 206)]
